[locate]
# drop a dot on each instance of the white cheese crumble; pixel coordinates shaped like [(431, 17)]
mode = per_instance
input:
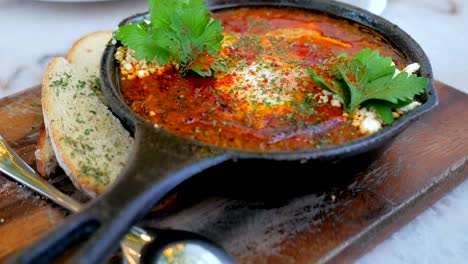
[(132, 67), (408, 107), (326, 96), (370, 125), (336, 101), (323, 99), (128, 66), (412, 68), (367, 121), (141, 73)]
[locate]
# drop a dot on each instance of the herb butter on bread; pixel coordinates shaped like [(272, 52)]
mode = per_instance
[(89, 142)]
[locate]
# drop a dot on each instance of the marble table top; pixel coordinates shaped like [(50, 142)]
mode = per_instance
[(33, 32)]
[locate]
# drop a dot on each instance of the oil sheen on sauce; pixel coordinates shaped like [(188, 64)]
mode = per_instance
[(265, 101)]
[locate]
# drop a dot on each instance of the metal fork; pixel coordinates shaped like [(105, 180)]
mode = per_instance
[(12, 165)]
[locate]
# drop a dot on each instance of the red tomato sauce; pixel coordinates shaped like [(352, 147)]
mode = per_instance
[(265, 101)]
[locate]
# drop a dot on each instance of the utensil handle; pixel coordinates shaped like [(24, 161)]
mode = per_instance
[(16, 168), (160, 161)]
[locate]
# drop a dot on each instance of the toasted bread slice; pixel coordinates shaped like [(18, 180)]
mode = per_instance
[(86, 53), (90, 143), (46, 162)]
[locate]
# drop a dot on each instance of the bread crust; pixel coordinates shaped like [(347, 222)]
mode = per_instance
[(46, 162)]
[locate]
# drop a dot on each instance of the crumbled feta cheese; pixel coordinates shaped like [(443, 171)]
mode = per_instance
[(367, 121), (128, 66), (412, 68), (131, 68), (336, 101), (141, 73), (327, 93), (408, 107), (327, 96), (370, 125), (323, 99), (396, 72)]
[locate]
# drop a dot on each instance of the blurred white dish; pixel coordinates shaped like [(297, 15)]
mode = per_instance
[(374, 6), (73, 1)]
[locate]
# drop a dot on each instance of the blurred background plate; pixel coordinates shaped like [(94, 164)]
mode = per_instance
[(374, 6), (73, 1)]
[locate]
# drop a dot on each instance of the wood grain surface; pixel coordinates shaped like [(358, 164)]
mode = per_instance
[(272, 215)]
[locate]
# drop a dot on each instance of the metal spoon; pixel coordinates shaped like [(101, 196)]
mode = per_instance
[(180, 244)]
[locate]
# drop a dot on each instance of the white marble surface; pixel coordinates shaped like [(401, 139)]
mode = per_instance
[(33, 31)]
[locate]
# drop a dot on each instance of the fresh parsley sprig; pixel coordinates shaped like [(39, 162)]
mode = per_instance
[(181, 32), (368, 79)]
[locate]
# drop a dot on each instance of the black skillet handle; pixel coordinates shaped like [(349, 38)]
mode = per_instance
[(160, 161)]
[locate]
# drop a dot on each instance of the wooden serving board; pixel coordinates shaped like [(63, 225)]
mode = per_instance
[(268, 218)]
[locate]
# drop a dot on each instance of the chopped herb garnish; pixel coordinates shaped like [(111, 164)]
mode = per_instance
[(368, 79), (88, 131), (81, 84), (180, 32), (68, 140)]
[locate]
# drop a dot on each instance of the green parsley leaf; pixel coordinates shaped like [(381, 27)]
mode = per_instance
[(338, 87), (180, 32), (368, 78), (382, 110), (139, 37)]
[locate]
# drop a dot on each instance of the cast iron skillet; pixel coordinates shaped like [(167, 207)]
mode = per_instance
[(161, 160)]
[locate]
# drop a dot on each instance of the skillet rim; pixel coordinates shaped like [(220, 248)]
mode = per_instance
[(392, 34)]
